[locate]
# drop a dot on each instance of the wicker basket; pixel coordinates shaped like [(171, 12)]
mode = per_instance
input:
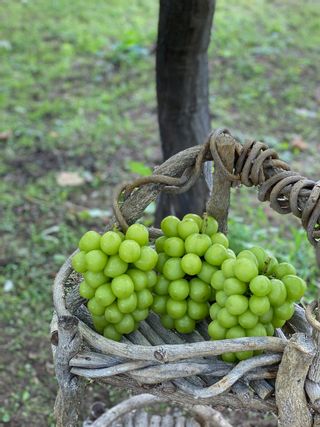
[(185, 368)]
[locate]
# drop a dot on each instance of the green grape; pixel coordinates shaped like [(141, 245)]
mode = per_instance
[(95, 279), (226, 319), (162, 258), (110, 242), (295, 287), (148, 259), (119, 233), (231, 254), (151, 278), (122, 286), (89, 241), (221, 298), (284, 269), (217, 280), (259, 305), (270, 329), (243, 355), (197, 244), (278, 323), (195, 218), (261, 257), (271, 264), (229, 357), (278, 293), (216, 254), (159, 243), (139, 278), (174, 247), (99, 323), (233, 286), (197, 310), (139, 233), (96, 260), (172, 269), (184, 325), (257, 331), (176, 309), (79, 262), (167, 321), (216, 331), (95, 308), (245, 269), (191, 264), (209, 225), (248, 320), (129, 304), (140, 314), (227, 267), (260, 286), (199, 291), (285, 311), (145, 299), (186, 227), (235, 332), (126, 325), (214, 310), (159, 305), (206, 272), (129, 251), (221, 239), (113, 314), (162, 285), (249, 255), (111, 333), (178, 289), (267, 317), (85, 290), (104, 295), (115, 266), (169, 226), (236, 304)]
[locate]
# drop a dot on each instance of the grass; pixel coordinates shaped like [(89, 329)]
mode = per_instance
[(78, 95)]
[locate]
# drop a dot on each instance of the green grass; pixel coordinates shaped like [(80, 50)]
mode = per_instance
[(77, 94)]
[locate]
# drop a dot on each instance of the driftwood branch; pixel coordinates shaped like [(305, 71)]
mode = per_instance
[(292, 373), (219, 201), (68, 400)]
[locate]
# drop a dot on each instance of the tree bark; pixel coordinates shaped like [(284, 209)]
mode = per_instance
[(182, 90)]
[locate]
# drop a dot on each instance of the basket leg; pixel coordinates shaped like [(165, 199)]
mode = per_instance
[(71, 387), (290, 392)]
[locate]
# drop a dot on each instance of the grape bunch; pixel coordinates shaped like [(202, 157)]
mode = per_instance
[(254, 295), (190, 252), (118, 278)]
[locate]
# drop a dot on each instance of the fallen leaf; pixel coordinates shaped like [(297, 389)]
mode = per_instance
[(65, 179), (299, 143), (5, 135)]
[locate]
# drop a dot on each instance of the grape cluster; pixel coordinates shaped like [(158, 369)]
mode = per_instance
[(190, 252), (118, 278), (254, 295)]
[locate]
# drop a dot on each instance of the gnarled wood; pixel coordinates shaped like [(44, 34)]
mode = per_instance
[(290, 393)]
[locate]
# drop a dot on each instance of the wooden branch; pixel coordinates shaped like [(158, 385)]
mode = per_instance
[(172, 353), (237, 372), (299, 322), (219, 201), (71, 388), (290, 394), (262, 388), (124, 407)]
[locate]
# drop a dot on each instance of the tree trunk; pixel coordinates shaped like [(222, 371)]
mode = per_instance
[(182, 90)]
